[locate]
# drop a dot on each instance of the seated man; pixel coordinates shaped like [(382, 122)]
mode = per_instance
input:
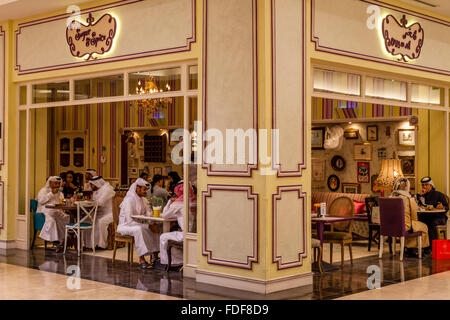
[(429, 196), (90, 173), (55, 220), (135, 204), (174, 209), (103, 194)]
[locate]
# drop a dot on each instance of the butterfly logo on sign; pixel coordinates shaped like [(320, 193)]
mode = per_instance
[(91, 39), (402, 40)]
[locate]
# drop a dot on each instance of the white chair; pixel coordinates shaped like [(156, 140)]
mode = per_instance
[(89, 208)]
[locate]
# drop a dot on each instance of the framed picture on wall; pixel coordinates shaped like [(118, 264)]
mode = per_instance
[(167, 169), (351, 188), (134, 171), (406, 137), (333, 183), (158, 170), (408, 165), (317, 138), (362, 151), (372, 133), (363, 172), (141, 144), (351, 134), (318, 170)]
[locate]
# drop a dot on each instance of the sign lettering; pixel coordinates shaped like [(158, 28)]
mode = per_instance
[(93, 38), (402, 40)]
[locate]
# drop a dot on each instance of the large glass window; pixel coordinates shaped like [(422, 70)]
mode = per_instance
[(427, 94), (51, 92), (337, 82), (157, 81), (386, 88), (193, 77), (109, 86)]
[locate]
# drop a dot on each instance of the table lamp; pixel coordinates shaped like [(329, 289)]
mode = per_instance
[(390, 171)]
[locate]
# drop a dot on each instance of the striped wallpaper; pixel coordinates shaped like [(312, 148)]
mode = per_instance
[(103, 122), (330, 109)]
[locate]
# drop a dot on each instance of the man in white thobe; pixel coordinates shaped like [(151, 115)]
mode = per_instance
[(55, 220), (103, 194), (135, 204), (90, 173), (174, 209)]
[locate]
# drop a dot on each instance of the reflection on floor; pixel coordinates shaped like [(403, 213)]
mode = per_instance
[(34, 284), (350, 280)]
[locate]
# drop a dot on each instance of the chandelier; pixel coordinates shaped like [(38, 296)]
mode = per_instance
[(151, 106)]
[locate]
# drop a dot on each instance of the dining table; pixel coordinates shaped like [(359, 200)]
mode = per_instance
[(421, 211), (165, 222), (69, 209)]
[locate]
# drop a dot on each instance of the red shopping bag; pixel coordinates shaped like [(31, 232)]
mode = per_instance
[(441, 249)]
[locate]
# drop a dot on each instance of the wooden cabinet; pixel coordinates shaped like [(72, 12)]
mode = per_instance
[(155, 148), (71, 151)]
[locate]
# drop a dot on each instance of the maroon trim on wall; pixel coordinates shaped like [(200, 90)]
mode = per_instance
[(250, 167), (277, 258), (189, 41), (365, 57), (3, 108), (302, 164), (250, 196)]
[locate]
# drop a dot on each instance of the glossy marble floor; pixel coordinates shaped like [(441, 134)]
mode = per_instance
[(34, 285), (434, 287), (350, 280)]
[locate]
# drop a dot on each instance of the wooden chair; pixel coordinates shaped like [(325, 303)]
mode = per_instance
[(172, 244), (118, 238), (340, 207), (315, 244)]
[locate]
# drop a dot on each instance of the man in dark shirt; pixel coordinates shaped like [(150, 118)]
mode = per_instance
[(429, 196)]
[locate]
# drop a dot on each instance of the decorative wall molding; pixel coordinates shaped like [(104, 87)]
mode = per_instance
[(2, 96), (213, 194), (130, 42), (229, 111), (7, 245), (428, 60), (293, 50), (253, 285), (301, 217)]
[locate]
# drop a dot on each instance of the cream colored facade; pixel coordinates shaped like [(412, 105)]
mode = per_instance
[(255, 60)]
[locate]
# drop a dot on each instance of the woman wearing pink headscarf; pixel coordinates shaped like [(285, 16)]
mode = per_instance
[(174, 209)]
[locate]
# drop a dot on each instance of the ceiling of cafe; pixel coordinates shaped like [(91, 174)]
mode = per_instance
[(17, 9), (441, 7)]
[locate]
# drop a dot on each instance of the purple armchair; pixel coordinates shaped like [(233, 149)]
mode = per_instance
[(392, 224)]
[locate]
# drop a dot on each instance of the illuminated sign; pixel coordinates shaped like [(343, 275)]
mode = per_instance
[(402, 40), (93, 38)]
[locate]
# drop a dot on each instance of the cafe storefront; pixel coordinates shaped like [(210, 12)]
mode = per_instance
[(78, 85)]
